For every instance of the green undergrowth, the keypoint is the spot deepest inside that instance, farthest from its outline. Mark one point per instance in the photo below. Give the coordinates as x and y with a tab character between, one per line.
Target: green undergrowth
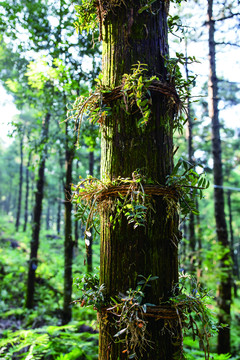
192	352
37	333
52	342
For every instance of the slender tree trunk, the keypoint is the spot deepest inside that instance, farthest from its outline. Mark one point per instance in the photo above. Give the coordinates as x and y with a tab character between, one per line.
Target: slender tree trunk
224	299
33	261
48	216
68	242
199	242
128	38
61	189
20	184
192	235
32	195
8	200
27	193
59	216
234	260
90	238
76	226
184	251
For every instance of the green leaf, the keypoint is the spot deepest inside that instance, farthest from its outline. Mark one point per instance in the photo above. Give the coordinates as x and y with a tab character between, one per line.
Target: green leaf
153	278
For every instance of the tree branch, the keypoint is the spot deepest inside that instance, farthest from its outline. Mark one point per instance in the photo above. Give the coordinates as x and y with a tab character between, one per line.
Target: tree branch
226	43
222	18
227	17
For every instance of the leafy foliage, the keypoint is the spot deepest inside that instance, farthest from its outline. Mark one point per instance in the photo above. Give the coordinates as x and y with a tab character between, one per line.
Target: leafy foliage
89	13
28	334
135	90
190	185
132	204
53	342
87	16
189	301
128	311
131	325
192	303
183	86
92	292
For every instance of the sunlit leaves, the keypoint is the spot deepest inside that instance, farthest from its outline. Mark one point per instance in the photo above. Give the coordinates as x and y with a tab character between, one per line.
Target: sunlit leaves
135	90
183	86
40	72
189	183
87	16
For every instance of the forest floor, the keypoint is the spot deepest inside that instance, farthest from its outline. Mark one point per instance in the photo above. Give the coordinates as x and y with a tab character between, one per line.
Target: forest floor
38	333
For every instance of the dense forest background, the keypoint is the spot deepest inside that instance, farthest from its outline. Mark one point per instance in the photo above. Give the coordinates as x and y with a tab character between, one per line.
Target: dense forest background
45	247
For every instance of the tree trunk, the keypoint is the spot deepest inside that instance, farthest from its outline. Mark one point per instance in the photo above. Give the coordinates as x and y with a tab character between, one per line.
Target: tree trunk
128	38
224	298
234	259
90	238
192	235
20	184
33	262
59	217
8	201
48	216
59	209
32	195
27	193
68	242
76	225
199	242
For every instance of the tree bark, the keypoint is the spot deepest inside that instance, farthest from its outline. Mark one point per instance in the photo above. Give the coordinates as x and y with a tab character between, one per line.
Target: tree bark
234	259
199	242
224	298
191	227
8	201
27	193
76	225
33	261
90	238
128	38
48	216
20	183
68	241
59	210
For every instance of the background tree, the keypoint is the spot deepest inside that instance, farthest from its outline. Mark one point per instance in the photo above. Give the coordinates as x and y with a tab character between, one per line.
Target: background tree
21	136
33	261
225	286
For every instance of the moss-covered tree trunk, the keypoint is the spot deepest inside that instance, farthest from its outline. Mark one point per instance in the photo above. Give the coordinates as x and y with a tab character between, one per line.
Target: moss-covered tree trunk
130	37
224	297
